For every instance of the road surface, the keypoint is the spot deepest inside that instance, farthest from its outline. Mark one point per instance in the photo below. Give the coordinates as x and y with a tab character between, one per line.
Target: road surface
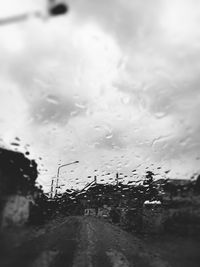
82	242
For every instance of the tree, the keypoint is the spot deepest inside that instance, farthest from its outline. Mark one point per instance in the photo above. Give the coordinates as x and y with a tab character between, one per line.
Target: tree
151	192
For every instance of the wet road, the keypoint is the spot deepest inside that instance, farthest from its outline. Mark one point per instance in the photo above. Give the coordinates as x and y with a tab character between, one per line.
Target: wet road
83	242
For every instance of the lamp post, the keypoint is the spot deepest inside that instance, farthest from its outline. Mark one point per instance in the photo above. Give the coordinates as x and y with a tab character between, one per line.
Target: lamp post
57	8
54	9
58	172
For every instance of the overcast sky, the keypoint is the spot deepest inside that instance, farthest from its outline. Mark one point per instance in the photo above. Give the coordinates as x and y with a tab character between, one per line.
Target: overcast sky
113	84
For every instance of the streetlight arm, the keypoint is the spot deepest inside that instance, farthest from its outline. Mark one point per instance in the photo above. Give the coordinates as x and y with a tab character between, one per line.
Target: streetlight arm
54	9
65	165
58	172
18	18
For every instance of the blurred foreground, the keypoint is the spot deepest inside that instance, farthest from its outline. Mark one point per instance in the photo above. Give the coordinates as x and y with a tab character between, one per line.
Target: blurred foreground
87	241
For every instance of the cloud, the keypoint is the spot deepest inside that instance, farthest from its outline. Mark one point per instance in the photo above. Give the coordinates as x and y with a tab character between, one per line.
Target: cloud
112	78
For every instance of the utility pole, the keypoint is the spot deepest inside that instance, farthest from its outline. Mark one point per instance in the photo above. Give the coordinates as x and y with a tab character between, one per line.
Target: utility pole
52	182
117	178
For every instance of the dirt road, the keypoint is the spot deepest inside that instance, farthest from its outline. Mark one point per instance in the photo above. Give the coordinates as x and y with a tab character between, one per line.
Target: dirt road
82	242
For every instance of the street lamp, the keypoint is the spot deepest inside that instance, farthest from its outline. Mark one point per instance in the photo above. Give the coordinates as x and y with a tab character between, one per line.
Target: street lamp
58	172
54	9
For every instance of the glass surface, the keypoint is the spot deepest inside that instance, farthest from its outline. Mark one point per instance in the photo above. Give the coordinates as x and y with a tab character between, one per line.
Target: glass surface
113	84
102	98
